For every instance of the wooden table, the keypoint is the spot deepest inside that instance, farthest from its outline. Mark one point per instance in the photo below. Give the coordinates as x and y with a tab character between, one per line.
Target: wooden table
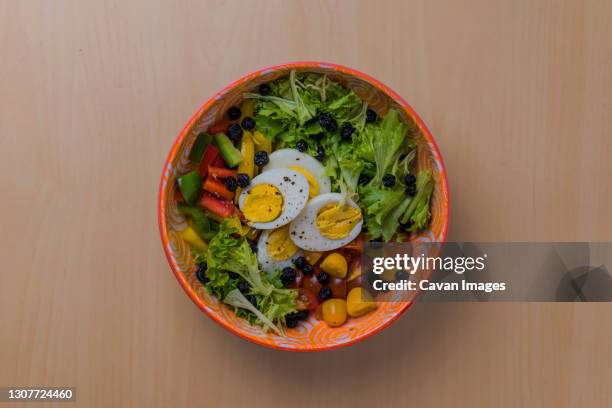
518	95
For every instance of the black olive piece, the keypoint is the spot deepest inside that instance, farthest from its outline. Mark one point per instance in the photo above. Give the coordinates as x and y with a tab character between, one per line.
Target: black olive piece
231	184
201	273
346	132
299	262
302	314
302	145
327	122
248	123
371	116
288	276
410	179
243	180
264	89
291	321
323	278
234	113
234	132
307	269
388	180
244	287
364	179
261	158
320	153
325	293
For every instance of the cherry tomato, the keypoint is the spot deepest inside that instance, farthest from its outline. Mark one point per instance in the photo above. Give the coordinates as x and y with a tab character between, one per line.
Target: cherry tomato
311	283
338	287
306	300
334	312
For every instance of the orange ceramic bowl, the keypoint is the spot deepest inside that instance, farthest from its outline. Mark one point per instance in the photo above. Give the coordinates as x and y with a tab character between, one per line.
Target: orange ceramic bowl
313	335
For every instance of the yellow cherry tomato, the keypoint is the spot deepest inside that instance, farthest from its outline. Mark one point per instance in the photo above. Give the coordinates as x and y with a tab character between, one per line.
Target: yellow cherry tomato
359	302
334	312
335	264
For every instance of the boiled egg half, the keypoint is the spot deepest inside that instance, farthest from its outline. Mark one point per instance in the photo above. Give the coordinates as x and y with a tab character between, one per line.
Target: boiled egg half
326	223
275	250
274	198
304	164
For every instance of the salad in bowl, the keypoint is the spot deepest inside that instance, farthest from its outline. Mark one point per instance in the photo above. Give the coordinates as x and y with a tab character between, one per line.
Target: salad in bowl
274	185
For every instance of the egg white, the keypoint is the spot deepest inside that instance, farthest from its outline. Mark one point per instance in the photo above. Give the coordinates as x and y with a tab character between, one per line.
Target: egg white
292	185
304	232
265	260
291	157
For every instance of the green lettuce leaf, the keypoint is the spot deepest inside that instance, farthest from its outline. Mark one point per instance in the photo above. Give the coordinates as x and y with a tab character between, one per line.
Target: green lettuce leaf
385	142
238	300
418	210
229	253
378	204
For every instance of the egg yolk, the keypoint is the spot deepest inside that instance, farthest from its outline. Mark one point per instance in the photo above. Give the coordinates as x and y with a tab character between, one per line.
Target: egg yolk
263	203
313	184
336	222
280	246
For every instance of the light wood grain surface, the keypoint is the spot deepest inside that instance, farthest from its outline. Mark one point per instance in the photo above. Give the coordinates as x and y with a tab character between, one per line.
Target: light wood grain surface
92	94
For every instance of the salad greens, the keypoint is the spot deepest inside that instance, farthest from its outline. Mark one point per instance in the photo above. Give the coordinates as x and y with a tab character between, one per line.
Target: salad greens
290	113
230	259
418	211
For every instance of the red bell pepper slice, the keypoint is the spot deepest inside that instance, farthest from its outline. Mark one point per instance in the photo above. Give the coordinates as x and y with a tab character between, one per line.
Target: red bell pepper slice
220	207
219	162
219	127
210	155
217	188
221	172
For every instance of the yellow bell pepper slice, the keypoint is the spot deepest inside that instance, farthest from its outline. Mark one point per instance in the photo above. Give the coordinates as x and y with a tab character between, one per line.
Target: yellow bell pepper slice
262	142
235	222
247	165
247	108
194	240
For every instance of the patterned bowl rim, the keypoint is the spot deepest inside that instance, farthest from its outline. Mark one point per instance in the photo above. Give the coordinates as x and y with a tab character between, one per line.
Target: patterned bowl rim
248	77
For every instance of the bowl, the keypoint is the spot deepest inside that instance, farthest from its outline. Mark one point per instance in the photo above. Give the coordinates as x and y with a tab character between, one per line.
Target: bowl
312	335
